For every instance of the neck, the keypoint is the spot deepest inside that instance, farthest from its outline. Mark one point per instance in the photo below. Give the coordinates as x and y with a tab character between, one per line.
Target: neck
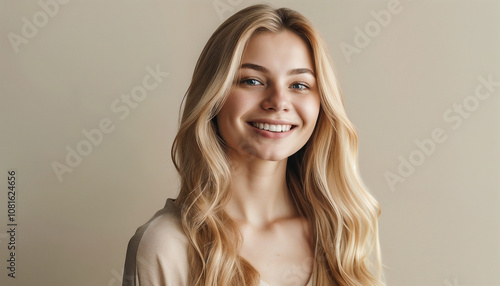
259	192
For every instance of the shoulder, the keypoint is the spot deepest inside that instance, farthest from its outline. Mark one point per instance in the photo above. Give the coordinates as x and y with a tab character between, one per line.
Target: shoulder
162	234
157	253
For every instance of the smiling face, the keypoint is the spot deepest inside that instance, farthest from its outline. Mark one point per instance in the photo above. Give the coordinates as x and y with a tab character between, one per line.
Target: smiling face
274	104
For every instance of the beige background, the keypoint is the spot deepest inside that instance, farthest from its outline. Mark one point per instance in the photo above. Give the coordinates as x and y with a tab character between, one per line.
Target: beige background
440	225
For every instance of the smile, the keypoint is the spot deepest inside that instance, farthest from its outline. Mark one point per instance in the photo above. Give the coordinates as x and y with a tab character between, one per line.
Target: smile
272	127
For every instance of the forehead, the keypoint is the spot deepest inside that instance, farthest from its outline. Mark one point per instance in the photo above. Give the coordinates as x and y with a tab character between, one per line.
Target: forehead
281	50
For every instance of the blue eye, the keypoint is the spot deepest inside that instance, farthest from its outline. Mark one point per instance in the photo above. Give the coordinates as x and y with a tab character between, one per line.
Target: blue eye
251	82
299	86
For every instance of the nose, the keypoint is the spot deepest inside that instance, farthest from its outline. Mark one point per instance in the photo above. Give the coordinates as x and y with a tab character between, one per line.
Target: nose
276	99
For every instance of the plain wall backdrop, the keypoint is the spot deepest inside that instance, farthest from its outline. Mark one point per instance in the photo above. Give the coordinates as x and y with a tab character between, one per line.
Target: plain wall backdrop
90	94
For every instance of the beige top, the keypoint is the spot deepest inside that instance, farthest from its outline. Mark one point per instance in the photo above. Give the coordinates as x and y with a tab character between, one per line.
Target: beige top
157	253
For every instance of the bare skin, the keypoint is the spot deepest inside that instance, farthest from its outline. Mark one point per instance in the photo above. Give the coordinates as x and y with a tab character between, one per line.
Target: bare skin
277	241
277	83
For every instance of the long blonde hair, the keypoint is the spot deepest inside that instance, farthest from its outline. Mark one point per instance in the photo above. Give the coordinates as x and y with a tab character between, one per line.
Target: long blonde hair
322	177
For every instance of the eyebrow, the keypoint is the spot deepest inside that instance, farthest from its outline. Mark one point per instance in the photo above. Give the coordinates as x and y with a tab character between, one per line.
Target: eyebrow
264	70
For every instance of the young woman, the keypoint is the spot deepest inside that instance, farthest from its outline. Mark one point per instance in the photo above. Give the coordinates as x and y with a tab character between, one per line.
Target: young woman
270	192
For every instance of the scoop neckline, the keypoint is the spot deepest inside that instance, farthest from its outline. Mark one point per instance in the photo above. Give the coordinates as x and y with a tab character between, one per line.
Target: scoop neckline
267	284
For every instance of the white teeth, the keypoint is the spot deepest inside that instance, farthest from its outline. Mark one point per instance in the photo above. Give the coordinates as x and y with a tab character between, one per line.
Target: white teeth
272	127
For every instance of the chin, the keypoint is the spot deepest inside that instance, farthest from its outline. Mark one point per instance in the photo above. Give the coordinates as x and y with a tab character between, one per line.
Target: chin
273	156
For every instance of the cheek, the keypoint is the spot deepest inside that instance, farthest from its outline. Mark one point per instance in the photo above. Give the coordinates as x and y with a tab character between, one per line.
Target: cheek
236	105
231	113
309	110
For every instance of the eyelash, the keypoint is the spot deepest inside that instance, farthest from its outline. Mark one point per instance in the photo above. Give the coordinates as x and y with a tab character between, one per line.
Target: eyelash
248	80
305	86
